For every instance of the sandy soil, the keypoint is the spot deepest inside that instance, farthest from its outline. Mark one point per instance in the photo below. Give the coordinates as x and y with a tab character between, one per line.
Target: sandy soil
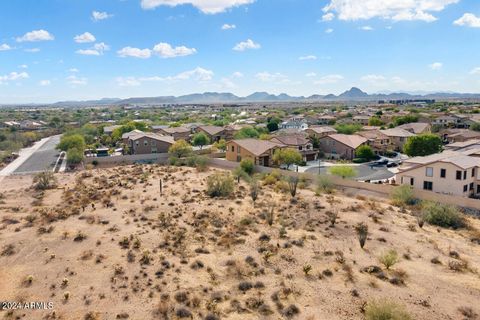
137	254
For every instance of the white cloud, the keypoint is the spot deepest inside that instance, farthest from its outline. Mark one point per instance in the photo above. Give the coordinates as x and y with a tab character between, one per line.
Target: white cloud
36	35
84	38
73	70
329	79
436	66
197	74
97	50
328	17
374	79
128	82
206	6
311	74
397	10
309	57
97	16
32	50
13	76
237	74
165	50
329	30
366	28
23	66
468	20
248	44
227	26
271	77
76	81
44	83
475	71
5	47
227	83
134	52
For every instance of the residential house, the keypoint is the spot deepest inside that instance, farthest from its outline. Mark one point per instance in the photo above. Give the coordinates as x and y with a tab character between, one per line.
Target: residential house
299	124
449	172
459	135
109	129
231	130
148	142
298	142
363	120
320	131
214	133
378	141
178	133
398	137
341	146
463	146
416	127
126	136
325	120
451	121
259	151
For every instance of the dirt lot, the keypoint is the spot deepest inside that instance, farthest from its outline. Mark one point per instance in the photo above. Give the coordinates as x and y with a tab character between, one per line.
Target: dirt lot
105	244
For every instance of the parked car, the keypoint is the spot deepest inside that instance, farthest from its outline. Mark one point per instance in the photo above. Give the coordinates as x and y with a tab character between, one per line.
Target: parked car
392	164
380	163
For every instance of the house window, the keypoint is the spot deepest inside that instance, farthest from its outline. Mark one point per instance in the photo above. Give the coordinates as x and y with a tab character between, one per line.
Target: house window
238	149
300	148
464	175
429	172
412	181
427	185
459	175
470	187
443	173
145	142
473	172
233	148
465	188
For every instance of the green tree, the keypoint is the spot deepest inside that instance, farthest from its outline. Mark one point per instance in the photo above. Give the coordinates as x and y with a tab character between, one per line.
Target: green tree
375	121
365	152
398	121
200	139
71	141
74	156
221	145
475	126
246	132
287	156
343	171
247	165
180	149
422	145
348	128
272	126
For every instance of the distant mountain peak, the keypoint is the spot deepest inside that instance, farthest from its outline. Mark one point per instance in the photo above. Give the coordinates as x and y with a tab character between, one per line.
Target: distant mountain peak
354	92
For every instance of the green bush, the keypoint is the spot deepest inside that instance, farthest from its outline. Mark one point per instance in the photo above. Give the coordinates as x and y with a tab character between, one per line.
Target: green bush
247	165
389	258
324	184
443	215
220	185
385	310
402	196
359	160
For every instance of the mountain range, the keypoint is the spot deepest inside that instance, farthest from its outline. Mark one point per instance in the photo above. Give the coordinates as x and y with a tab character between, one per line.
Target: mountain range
354	94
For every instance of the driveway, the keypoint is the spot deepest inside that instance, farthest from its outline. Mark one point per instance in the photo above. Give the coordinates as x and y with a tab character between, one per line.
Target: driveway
365	172
42	155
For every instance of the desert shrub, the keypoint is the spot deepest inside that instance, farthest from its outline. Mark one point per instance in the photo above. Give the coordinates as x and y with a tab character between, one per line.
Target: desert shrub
220	185
332	217
389	258
292	185
44	180
442	215
362	233
201	163
403	196
272	177
247	166
385	310
324	184
254	189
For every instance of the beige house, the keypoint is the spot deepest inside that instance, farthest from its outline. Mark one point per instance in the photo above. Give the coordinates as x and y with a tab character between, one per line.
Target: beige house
147	143
417	127
214	133
178	133
449	172
341	146
363	120
377	140
259	151
397	137
320	131
298	142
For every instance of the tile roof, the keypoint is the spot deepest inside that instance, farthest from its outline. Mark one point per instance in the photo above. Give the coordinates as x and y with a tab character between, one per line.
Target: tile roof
397	132
352	140
257	147
291	139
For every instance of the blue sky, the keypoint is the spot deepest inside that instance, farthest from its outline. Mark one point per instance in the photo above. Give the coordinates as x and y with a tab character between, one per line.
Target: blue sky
54	50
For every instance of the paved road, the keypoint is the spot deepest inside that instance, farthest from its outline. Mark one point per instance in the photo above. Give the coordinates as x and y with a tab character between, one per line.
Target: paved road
365	172
41	159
